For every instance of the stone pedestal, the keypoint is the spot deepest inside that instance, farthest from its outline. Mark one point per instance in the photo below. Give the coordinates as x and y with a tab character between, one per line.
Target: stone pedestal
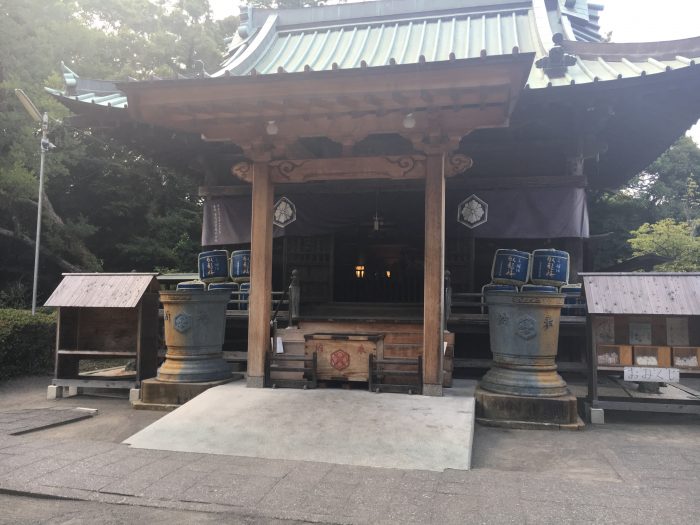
505	410
195	321
159	395
523	388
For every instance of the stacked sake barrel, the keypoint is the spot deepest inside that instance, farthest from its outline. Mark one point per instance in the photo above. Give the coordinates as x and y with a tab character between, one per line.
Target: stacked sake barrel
545	271
524	324
239	271
218	271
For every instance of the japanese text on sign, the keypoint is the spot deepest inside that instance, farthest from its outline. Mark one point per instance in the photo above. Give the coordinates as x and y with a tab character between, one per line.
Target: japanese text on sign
652	375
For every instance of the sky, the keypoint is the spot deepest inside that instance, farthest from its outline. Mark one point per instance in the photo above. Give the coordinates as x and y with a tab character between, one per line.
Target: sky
629	20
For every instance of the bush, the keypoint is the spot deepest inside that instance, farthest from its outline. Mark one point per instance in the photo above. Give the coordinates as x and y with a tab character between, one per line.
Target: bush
26	342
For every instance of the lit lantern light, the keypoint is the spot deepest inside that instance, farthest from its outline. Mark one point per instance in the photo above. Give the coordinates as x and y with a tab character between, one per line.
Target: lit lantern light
388	274
360	271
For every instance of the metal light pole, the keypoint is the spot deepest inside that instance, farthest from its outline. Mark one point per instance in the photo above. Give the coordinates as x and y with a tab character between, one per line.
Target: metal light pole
44	146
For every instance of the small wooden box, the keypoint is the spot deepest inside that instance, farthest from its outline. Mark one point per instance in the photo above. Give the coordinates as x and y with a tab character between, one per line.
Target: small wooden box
686	357
645	355
614	355
344	357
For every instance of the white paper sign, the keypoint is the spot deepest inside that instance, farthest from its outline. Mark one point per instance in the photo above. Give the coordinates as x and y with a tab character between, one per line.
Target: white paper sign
279	346
652	375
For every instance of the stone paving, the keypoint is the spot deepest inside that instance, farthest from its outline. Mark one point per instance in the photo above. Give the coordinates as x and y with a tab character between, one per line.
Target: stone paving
637	468
16	422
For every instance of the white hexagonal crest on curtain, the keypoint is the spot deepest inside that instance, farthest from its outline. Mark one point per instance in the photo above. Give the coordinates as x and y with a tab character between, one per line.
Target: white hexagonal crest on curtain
285	213
472	212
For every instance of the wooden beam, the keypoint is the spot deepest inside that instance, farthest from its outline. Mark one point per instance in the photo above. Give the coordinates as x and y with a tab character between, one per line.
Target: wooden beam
468	183
350	168
400	80
336	127
433	287
259	308
498	183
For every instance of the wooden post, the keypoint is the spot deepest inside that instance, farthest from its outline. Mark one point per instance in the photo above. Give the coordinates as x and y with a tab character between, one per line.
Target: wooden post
259	302
433	285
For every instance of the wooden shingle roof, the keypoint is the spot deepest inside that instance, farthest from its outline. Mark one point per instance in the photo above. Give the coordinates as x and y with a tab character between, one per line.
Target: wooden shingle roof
102	290
652	293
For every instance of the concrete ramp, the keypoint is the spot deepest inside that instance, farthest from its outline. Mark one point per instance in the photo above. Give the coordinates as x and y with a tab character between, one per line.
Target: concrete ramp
351	427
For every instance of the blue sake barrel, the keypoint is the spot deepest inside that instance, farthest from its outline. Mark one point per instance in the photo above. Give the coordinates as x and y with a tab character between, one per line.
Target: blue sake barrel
213	266
244	290
191	285
573	300
510	267
232	288
539	288
495	288
240	265
550	267
491	288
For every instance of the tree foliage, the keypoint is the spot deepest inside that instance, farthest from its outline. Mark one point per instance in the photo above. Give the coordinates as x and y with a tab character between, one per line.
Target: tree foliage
107	206
671	239
657	213
670	184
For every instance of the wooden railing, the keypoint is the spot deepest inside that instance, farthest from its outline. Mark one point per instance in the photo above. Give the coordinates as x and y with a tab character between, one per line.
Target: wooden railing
285	303
473	303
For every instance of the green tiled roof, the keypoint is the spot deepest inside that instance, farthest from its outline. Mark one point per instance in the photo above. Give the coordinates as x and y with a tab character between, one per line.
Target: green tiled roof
384	32
404	40
100	92
598	62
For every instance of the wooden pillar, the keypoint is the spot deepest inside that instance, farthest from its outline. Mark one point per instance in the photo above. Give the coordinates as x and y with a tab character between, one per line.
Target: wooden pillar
433	288
259	300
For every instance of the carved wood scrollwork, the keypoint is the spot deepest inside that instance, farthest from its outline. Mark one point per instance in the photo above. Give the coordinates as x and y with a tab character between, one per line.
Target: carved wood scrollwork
457	163
243	171
283	171
298	171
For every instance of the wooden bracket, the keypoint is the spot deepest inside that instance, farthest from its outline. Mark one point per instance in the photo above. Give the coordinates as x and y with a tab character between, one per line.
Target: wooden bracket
457	163
243	171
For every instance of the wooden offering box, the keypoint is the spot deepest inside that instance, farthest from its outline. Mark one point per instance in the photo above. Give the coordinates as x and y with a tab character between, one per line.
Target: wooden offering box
652	356
344	357
106	316
686	357
614	355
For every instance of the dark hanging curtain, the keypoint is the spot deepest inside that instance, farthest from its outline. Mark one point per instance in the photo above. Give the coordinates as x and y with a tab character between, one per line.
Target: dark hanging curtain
512	213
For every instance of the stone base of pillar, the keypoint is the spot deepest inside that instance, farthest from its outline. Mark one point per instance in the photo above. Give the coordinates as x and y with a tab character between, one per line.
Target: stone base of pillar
432	390
134	395
161	395
503	410
54	392
255	382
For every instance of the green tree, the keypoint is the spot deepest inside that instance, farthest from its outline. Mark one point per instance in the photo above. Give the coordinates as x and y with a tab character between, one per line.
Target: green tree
670	184
671	239
103	199
667	189
612	216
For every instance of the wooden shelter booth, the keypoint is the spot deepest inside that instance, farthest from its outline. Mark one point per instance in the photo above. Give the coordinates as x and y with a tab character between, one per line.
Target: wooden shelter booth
649	320
106	316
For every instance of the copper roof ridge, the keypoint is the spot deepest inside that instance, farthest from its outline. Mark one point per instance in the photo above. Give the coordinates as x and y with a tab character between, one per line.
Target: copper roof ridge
667	49
129	87
404	17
